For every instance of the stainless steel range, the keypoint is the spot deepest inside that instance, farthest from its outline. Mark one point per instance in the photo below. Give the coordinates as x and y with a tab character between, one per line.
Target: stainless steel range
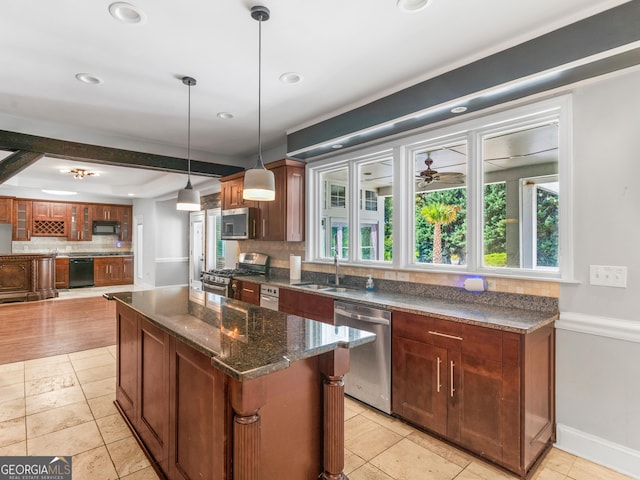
220	281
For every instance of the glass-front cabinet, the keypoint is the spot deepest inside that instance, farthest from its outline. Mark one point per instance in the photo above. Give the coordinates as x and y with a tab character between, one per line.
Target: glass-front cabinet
79	222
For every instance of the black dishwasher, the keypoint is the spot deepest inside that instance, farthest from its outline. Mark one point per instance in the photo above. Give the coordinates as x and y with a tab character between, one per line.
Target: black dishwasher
81	272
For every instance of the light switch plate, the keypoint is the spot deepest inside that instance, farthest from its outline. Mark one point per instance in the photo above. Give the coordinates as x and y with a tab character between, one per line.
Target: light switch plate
608	275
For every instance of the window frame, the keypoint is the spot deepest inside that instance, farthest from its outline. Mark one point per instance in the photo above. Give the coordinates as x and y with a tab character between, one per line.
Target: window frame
401	150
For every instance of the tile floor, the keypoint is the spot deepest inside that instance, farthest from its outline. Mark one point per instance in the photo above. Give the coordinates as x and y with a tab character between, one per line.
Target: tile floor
63	405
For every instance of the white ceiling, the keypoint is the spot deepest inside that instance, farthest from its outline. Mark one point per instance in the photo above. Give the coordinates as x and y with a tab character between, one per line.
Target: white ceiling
349	52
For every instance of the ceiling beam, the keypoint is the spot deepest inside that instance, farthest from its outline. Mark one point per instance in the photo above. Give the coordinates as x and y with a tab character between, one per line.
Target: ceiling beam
16	162
105	155
421	105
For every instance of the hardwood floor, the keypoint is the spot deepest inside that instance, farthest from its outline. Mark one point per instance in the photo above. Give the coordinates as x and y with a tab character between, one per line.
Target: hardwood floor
51	327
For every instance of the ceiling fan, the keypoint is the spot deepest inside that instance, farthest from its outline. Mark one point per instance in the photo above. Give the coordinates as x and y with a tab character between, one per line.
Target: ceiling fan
429	176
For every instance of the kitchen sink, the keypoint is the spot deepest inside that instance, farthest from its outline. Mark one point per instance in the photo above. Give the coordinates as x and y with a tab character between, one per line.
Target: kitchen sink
313	286
336	289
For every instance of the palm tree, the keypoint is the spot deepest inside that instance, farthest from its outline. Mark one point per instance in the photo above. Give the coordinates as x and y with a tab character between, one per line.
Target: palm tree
439	214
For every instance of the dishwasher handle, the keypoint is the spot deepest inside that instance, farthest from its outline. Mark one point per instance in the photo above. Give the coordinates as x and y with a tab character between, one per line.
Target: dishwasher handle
357	316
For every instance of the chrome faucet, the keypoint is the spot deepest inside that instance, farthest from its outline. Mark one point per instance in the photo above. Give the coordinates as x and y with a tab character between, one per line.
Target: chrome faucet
337	264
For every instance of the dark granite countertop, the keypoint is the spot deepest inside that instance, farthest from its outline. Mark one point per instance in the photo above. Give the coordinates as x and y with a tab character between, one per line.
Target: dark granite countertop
244	341
501	318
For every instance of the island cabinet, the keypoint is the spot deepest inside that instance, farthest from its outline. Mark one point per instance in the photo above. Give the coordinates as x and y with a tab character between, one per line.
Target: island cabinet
487	390
308	305
264	401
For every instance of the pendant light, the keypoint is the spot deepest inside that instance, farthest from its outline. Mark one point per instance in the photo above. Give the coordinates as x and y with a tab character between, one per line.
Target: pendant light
259	183
188	198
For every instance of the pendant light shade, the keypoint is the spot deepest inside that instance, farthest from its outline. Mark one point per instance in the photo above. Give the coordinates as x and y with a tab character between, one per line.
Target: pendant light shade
188	198
259	183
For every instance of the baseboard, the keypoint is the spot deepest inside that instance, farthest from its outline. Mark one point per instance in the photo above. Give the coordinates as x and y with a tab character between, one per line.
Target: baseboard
598	450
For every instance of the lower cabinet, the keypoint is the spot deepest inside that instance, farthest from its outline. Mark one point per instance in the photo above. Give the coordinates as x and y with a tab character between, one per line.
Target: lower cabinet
308	305
112	271
62	272
27	277
487	390
173	398
246	291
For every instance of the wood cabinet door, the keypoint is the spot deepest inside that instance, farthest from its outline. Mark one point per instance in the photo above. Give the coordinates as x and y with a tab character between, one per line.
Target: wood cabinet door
197	411
6	210
62	273
420	383
80	218
153	394
127	270
288	301
127	361
273	215
15	276
316	307
101	275
22	220
477	408
250	292
125	215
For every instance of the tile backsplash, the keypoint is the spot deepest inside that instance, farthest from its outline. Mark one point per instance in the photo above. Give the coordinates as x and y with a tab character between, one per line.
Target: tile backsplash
102	243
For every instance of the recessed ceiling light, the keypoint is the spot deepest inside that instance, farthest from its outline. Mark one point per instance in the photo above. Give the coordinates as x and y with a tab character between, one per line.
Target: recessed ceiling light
127	13
225	115
88	79
59	192
131	194
412	5
458	109
291	78
336	145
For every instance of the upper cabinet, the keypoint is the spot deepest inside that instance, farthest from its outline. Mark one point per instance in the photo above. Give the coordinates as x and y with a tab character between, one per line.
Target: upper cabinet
21	219
281	219
6	209
64	219
80	218
105	212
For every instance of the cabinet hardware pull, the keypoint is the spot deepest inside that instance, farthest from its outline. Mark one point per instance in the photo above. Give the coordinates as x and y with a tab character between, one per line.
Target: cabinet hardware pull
455	337
438	375
452	387
247	290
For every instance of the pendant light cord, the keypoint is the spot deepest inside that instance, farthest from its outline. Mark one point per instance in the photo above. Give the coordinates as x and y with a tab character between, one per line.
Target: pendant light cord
260	162
189	136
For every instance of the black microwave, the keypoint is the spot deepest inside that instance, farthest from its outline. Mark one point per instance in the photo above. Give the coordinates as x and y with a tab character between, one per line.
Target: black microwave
238	224
106	227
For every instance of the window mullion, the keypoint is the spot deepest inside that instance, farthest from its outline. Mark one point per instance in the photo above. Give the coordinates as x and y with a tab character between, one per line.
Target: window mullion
475	214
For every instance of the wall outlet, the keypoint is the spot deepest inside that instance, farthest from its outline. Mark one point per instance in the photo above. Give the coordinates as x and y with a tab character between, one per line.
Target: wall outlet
608	276
403	276
389	275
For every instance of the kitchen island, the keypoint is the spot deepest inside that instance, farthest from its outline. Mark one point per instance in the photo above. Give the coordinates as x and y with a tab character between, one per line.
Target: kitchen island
231	390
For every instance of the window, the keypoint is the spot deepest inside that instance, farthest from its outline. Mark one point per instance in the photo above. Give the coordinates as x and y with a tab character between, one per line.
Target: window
521	196
375	182
481	196
440	204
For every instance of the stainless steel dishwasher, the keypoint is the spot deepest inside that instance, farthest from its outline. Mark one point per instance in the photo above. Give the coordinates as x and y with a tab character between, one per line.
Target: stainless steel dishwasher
369	377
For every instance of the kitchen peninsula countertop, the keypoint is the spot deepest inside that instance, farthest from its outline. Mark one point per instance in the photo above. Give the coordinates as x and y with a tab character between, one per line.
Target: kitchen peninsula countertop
515	320
243	340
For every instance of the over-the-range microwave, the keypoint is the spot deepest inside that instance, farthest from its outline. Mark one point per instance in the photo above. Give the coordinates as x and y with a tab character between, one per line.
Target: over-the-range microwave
238	223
